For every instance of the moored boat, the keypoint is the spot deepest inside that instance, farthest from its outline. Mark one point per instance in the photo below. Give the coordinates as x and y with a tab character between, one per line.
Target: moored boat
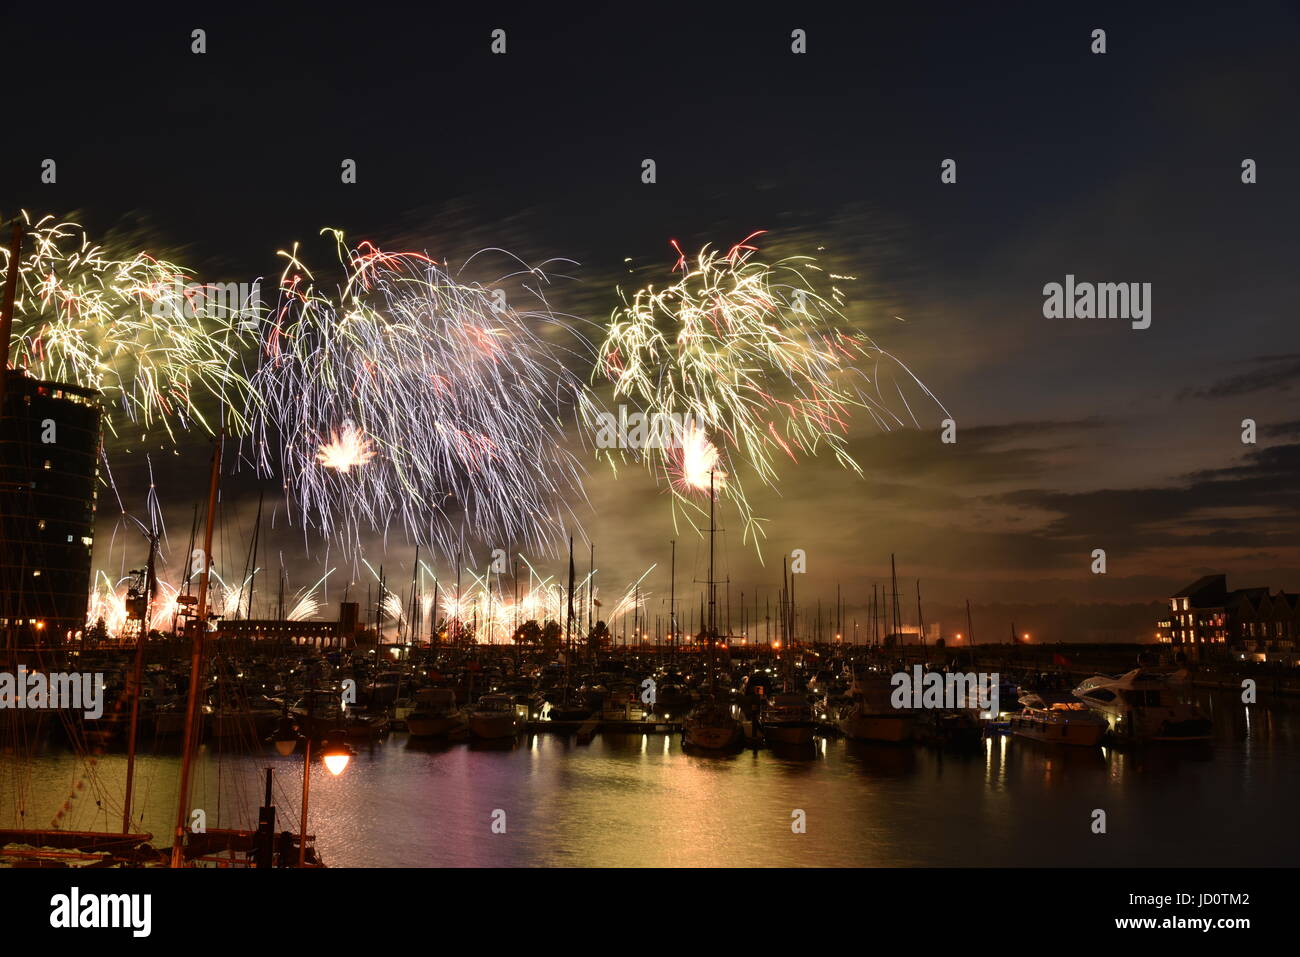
1057	718
1142	705
435	714
712	726
787	719
870	714
494	718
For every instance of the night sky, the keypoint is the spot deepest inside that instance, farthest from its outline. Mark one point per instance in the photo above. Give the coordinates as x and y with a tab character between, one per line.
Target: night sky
1073	434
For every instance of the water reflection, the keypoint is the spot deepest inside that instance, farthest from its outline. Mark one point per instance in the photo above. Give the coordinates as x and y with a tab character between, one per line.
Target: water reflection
638	799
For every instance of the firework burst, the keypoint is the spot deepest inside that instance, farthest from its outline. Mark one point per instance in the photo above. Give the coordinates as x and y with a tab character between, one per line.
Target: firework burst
753	366
130	326
416	398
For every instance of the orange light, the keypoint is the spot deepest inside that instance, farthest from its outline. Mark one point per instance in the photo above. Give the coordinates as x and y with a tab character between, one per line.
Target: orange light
337	763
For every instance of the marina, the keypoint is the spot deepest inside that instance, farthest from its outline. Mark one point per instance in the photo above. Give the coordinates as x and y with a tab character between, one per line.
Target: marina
429	756
574	461
406	802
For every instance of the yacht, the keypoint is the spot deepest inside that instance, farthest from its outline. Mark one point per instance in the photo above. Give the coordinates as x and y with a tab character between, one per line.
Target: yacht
623	703
870	715
787	719
957	728
713	727
1143	705
494	718
434	714
1057	718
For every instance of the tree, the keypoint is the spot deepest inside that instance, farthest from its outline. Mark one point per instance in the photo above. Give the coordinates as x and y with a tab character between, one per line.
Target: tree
528	635
552	635
599	638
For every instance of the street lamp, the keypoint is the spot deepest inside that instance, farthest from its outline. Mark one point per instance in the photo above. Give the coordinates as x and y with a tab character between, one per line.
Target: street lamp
336	754
336	758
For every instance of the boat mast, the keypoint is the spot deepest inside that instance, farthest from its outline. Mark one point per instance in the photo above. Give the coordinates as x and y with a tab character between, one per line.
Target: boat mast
896	622
413	619
433	615
199	626
137	678
672	605
920	621
252	555
713	597
568	619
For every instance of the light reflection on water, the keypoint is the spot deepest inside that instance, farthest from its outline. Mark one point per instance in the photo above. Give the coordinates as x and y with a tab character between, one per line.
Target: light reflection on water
639	800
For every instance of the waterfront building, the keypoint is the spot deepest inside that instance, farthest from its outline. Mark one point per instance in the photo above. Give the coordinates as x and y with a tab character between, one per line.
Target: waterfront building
321	634
49	450
1206	619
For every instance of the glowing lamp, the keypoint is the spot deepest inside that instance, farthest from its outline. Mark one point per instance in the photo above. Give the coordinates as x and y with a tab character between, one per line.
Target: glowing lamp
336	757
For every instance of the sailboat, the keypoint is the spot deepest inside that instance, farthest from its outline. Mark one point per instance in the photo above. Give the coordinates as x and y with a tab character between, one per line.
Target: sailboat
787	718
870	715
712	725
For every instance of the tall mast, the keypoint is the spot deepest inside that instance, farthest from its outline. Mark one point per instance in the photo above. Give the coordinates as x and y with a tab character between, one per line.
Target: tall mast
897	621
459	561
568	618
137	677
790	636
189	566
713	594
970	629
920	621
672	604
433	615
413	619
199	626
252	555
782	597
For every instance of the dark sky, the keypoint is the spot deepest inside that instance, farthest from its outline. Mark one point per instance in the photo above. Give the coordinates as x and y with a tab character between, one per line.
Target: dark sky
1073	434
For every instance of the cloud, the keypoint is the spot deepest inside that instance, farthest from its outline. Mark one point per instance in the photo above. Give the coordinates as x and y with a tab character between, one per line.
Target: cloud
1269	372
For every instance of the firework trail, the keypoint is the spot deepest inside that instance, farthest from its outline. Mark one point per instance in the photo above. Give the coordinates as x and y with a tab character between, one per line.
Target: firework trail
491	606
417	399
741	362
135	328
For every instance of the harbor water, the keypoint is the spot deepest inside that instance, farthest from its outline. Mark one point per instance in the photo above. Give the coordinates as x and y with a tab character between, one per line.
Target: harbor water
640	800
